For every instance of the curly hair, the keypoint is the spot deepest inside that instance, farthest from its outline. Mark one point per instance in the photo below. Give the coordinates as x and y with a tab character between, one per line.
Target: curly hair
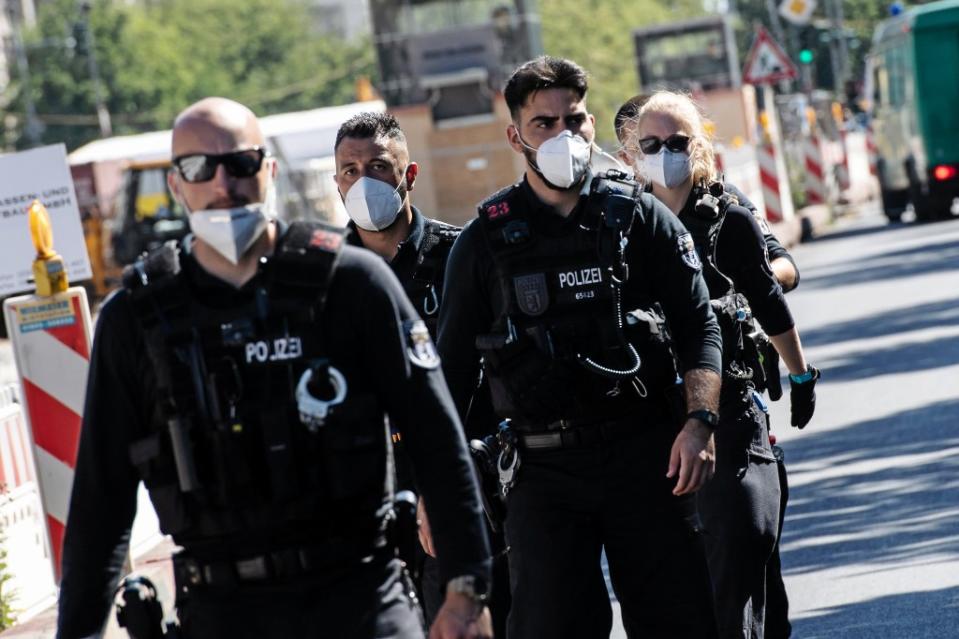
687	114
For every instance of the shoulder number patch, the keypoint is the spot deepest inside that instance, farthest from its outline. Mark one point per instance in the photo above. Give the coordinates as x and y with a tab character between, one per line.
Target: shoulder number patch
419	345
687	251
326	240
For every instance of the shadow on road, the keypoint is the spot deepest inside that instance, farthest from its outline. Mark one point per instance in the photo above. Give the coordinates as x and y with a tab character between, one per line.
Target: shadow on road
908	262
916	615
880	510
894	360
910	318
858	231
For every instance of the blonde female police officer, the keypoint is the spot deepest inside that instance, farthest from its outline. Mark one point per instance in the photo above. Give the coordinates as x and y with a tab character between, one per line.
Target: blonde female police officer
739	508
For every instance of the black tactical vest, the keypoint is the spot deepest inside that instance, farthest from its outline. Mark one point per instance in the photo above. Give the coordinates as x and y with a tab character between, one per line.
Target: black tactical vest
426	286
229	452
559	348
740	332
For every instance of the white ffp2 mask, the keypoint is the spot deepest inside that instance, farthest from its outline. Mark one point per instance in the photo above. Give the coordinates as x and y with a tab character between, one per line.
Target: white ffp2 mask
231	232
562	160
666	168
373	204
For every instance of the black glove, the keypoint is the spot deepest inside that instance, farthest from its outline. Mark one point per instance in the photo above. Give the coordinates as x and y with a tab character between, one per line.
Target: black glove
802	398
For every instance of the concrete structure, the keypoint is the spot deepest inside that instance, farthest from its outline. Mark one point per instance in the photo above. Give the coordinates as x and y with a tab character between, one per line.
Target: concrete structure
461	162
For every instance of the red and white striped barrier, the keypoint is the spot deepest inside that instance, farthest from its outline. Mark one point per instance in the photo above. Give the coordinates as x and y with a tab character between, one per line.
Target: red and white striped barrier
51	344
842	167
815	169
16	458
770	178
28	565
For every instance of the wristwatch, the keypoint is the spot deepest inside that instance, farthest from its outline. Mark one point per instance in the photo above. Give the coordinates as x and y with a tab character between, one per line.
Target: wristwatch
707	417
469	586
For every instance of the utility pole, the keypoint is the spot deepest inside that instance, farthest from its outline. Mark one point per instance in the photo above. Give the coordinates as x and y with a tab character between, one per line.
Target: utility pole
103	115
33	128
838	53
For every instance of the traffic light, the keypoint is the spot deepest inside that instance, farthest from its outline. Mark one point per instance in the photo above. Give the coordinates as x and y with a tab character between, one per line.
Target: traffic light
805	56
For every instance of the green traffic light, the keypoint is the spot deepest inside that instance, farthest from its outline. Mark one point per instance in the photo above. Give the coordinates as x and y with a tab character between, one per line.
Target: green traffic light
805	56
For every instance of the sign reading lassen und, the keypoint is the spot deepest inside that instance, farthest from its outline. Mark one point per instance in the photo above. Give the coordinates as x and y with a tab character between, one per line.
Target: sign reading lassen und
38	174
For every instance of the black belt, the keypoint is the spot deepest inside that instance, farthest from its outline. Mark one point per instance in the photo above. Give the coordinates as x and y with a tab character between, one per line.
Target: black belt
275	565
578	436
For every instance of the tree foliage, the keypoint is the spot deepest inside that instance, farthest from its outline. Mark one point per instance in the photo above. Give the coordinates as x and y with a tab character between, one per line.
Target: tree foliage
598	35
154	58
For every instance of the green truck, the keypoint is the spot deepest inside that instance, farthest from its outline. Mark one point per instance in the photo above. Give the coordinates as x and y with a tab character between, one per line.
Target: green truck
913	81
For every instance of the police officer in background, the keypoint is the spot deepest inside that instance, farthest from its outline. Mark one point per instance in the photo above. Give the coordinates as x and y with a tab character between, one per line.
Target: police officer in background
555	285
786	272
375	177
244	376
740	507
783	265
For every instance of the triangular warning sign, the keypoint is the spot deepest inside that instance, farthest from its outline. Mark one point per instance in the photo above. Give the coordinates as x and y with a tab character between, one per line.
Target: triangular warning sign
766	62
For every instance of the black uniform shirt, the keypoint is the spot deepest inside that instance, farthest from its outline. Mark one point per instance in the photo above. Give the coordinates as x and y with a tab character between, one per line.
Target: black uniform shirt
403	266
403	263
741	256
472	300
774	247
365	310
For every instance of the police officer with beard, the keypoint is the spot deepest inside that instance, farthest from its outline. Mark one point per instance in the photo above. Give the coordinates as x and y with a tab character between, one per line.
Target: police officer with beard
556	285
245	376
375	177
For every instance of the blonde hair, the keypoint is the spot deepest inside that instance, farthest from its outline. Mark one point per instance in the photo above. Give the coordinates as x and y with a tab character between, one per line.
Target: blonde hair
681	108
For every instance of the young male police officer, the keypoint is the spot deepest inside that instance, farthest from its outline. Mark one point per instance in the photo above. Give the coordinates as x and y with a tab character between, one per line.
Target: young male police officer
375	177
245	377
544	279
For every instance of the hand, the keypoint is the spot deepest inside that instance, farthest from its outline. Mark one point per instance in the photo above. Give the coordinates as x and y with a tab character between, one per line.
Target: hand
694	456
423	530
462	618
802	399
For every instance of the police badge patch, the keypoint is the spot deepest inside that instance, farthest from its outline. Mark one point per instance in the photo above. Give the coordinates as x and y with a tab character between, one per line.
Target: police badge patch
687	250
761	221
419	345
532	294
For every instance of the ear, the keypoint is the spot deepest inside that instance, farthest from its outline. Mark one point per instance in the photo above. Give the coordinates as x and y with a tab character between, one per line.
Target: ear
173	183
624	157
411	172
274	168
512	136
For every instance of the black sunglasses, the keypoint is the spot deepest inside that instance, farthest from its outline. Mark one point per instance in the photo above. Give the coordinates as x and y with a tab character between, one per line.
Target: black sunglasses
201	167
676	143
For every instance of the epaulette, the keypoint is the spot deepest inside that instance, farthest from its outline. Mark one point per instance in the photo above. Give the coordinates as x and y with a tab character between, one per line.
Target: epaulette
152	267
305	258
493	206
438	239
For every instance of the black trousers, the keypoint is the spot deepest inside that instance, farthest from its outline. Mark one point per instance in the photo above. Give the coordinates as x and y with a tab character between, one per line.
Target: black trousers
777	602
567	505
368	602
739	510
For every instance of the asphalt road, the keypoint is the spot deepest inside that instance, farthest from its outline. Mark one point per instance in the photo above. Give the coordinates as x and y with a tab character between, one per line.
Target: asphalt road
871	540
